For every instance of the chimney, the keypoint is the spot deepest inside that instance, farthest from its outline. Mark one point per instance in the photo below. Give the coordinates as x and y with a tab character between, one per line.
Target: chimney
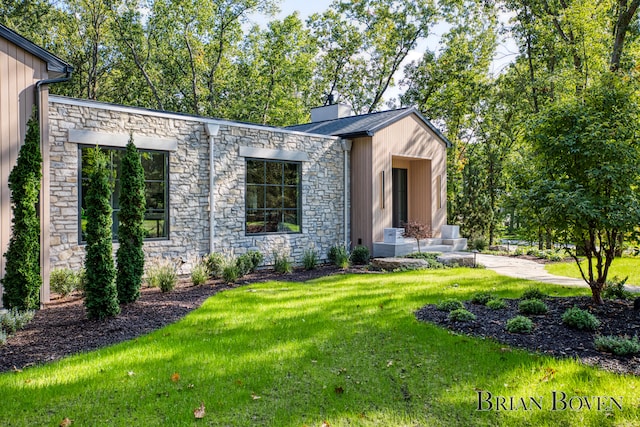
330	112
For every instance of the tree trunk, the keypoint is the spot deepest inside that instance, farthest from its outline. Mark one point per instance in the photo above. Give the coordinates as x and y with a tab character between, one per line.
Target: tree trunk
596	293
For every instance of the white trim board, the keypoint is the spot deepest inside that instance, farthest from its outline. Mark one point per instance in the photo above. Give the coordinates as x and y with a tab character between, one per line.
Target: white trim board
89	137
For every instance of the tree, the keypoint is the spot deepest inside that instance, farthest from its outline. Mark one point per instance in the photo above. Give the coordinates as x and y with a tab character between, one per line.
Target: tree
101	295
588	153
22	279
130	257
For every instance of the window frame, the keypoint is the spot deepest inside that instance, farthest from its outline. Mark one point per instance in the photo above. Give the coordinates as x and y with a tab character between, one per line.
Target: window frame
165	180
282	186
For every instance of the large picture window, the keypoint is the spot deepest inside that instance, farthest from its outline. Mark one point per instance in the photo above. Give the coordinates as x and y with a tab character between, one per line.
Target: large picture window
156	179
273	197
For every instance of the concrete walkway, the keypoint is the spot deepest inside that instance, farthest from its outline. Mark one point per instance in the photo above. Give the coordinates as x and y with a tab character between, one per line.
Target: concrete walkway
530	270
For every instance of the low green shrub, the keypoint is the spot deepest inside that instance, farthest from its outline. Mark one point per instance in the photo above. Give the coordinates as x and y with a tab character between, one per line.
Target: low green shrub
621	346
427	256
230	272
214	262
532	306
481	298
199	274
256	258
449	304
614	289
577	318
496	304
310	259
282	263
64	281
479	243
13	320
461	315
360	255
519	325
162	274
533	293
3	337
244	263
339	255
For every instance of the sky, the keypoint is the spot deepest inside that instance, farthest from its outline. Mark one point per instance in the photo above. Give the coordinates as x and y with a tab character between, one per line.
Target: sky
506	52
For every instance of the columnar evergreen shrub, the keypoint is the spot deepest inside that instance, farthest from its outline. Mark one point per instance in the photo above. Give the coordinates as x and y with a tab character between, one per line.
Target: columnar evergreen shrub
22	279
101	295
130	256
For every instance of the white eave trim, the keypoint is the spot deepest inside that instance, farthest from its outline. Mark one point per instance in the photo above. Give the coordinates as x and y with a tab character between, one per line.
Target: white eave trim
104	139
266	153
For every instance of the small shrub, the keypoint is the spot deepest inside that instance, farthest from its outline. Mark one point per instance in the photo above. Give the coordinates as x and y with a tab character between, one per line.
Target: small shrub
339	255
449	304
360	255
533	293
13	320
310	259
199	274
256	258
496	304
532	306
3	337
481	298
519	325
479	244
214	262
427	256
614	289
620	346
281	263
64	281
162	274
244	263
580	319
461	315
230	272
417	230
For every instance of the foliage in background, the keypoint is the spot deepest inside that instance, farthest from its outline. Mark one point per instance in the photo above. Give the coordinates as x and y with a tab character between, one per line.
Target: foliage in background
101	294
22	281
130	256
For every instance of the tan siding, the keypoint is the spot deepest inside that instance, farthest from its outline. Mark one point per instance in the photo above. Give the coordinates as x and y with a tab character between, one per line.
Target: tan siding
19	71
409	142
361	192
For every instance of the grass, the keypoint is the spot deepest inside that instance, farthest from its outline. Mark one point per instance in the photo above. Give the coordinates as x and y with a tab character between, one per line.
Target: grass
621	267
346	349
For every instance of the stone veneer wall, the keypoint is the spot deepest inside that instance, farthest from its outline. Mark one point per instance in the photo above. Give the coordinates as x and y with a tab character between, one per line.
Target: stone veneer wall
322	184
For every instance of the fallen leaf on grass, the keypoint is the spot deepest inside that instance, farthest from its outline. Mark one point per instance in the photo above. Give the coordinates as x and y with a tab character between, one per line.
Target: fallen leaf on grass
66	422
199	412
131	373
338	390
175	377
389	363
325	423
255	396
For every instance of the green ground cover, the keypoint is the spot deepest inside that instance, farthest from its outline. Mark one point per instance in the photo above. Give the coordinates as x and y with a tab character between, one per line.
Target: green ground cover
621	267
345	349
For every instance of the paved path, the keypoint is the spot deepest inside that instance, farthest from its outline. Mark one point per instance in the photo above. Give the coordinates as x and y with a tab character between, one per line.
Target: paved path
530	270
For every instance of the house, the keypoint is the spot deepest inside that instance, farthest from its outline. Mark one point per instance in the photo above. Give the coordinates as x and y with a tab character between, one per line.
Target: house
218	185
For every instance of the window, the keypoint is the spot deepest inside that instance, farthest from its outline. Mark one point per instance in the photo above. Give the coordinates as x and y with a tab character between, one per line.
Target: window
273	197
156	179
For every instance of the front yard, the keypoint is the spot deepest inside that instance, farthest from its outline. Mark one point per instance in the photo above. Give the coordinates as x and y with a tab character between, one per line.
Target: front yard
339	350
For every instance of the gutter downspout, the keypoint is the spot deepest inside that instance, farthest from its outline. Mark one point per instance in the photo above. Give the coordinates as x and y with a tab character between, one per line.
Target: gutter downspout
346	148
44	186
212	131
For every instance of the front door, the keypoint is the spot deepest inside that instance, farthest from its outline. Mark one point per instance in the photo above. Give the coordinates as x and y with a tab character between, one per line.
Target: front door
400	192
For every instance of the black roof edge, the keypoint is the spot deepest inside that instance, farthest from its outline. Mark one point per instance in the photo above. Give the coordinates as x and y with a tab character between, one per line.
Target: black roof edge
54	64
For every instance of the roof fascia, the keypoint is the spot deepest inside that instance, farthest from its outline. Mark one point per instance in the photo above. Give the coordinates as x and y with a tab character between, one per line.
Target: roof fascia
54	64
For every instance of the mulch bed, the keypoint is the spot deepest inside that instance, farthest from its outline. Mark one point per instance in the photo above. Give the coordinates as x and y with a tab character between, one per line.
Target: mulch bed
550	336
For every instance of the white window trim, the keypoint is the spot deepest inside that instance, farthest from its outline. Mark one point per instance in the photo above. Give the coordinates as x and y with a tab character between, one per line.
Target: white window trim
121	140
269	154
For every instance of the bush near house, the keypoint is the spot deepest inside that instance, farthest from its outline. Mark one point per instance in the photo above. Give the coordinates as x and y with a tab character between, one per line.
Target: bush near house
65	281
22	279
130	257
360	255
101	294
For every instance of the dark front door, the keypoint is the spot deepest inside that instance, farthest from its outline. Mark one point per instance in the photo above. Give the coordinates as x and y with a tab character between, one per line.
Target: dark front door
399	188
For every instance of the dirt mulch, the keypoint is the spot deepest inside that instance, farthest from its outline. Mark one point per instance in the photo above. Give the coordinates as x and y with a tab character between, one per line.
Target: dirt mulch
550	336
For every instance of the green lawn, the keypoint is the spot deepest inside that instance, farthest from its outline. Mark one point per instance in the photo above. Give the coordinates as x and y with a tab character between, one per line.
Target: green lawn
621	267
345	349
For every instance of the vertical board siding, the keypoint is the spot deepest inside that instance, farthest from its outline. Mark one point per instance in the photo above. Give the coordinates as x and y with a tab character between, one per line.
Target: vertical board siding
19	72
361	191
409	142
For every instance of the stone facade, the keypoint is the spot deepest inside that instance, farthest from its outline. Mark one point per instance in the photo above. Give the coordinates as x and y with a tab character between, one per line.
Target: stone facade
323	191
